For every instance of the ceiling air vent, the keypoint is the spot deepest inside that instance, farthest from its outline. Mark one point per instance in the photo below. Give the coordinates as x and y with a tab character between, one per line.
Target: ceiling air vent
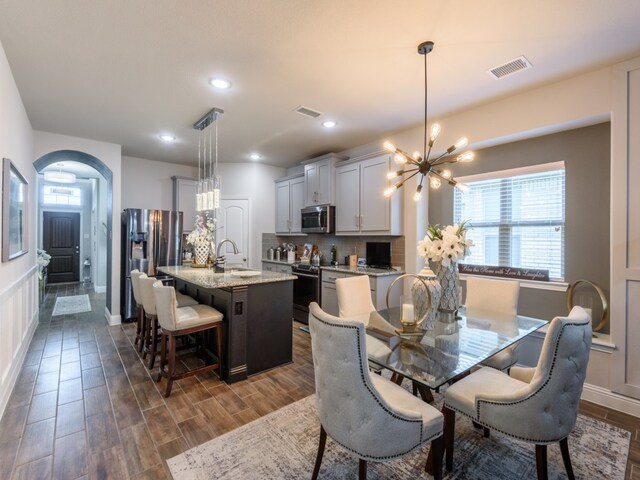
307	112
520	63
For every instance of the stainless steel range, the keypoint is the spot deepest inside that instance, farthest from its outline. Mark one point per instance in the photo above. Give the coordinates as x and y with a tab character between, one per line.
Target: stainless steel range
305	290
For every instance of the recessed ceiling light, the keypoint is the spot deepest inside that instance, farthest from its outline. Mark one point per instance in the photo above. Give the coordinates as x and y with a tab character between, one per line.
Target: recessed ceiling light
255	156
220	83
329	124
167	138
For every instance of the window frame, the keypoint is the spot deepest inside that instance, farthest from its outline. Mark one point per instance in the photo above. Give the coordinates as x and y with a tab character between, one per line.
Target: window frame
505	225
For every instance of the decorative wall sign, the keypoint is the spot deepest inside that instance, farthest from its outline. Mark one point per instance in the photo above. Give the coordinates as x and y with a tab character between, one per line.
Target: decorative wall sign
15	206
506	272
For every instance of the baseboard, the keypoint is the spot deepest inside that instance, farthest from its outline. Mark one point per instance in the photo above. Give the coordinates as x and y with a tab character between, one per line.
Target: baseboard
609	399
112	319
100	288
16	365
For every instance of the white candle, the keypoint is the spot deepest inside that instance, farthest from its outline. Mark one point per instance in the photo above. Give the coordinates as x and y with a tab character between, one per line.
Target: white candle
407	312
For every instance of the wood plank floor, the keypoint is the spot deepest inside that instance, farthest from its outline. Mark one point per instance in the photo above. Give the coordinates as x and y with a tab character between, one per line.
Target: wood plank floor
85	406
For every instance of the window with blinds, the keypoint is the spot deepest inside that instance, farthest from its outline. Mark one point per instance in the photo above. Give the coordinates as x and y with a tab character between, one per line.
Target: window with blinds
516	218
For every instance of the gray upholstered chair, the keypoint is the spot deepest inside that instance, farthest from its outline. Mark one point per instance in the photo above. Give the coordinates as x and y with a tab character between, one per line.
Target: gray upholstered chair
538	405
370	416
495	296
150	332
176	322
137	297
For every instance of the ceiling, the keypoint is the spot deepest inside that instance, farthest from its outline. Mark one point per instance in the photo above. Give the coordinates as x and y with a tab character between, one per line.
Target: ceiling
125	72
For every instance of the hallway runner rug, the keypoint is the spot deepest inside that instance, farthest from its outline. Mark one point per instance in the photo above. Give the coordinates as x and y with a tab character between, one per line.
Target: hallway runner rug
283	445
71	304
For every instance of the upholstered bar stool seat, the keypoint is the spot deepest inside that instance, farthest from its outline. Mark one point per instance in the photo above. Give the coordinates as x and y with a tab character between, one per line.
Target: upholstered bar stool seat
185	300
175	322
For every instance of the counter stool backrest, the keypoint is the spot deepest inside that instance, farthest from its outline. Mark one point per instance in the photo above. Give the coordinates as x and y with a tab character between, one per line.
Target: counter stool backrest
166	306
146	291
135	284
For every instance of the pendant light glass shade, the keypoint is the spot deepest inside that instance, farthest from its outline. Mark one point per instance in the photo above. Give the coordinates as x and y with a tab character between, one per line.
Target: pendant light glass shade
209	182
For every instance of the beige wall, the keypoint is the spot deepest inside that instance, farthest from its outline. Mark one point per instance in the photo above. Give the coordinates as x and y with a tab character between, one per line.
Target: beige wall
18	277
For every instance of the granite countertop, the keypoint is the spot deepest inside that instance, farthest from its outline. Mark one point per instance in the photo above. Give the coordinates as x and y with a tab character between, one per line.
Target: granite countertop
372	272
206	278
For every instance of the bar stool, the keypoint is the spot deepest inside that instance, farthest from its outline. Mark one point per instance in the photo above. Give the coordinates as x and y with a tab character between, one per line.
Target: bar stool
137	297
176	322
145	284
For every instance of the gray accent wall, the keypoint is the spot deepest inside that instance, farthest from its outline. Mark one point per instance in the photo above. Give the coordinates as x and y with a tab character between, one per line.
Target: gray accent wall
586	153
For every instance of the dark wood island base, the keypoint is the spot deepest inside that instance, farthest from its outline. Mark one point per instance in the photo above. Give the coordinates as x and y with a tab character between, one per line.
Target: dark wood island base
258	316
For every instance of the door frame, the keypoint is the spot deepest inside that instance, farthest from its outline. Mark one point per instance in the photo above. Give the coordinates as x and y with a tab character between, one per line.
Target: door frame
249	223
80	238
88	159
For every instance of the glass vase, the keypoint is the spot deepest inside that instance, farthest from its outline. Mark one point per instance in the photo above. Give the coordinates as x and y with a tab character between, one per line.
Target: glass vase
449	281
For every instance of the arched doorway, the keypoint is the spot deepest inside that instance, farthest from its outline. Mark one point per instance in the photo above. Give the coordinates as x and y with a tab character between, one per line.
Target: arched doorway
91	161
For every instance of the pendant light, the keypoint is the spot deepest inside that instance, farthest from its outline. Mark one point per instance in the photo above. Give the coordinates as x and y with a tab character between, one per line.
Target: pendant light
208	187
421	164
59	176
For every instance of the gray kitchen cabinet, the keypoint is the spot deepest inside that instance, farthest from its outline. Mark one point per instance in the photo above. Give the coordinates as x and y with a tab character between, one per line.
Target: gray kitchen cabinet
289	202
361	207
319	175
379	286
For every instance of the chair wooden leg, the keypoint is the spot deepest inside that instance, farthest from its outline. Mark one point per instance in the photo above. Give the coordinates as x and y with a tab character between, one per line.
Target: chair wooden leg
138	325
541	462
449	434
219	352
362	469
487	432
143	331
163	354
154	343
147	336
172	365
437	447
564	448
321	444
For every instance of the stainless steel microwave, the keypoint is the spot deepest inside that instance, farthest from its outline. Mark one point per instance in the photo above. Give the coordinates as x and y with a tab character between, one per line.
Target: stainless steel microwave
318	219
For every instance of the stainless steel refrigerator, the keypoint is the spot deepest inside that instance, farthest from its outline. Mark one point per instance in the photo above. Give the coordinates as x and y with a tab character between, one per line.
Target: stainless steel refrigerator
150	239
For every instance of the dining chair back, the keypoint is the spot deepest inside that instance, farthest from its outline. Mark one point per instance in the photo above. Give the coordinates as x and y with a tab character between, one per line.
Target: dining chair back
354	296
491	295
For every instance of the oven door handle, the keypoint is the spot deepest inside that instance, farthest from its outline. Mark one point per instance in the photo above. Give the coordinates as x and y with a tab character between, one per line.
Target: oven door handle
306	275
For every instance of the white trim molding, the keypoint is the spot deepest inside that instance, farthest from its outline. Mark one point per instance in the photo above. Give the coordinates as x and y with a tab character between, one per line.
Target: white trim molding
609	399
112	319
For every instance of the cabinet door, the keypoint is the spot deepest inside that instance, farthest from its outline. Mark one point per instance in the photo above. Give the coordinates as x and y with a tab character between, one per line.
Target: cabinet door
282	207
324	176
184	200
268	267
347	198
311	184
374	206
329	299
296	193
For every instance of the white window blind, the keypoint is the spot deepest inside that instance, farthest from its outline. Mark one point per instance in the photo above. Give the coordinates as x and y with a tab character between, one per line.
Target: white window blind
516	218
61	196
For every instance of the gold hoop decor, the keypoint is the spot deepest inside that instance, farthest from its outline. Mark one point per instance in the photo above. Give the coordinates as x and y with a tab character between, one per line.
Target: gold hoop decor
411	327
596	327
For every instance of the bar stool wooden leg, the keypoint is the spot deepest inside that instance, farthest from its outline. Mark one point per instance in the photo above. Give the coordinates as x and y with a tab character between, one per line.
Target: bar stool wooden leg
172	364
163	354
138	324
143	331
154	343
218	330
147	335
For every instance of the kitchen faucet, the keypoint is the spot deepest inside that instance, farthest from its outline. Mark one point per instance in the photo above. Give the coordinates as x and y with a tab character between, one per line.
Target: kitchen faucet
220	258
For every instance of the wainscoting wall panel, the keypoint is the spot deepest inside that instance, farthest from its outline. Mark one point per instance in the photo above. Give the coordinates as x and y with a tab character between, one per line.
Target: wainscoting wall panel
18	320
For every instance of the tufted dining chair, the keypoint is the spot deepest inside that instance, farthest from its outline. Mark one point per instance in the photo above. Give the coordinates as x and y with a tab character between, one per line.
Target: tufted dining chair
495	296
537	405
370	416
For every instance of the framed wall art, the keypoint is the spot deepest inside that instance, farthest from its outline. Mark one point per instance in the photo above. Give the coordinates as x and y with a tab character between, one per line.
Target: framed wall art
15	208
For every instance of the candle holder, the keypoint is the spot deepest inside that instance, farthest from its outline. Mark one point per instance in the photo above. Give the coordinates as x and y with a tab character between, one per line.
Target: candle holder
411	317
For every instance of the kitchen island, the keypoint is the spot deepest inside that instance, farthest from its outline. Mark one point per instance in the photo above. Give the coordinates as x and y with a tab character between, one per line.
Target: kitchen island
258	313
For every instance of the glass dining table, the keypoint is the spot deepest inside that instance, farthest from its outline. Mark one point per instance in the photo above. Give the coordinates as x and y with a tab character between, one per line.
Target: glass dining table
448	350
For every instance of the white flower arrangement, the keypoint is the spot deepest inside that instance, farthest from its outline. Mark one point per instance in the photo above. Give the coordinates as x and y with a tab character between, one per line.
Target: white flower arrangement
202	234
445	244
43	258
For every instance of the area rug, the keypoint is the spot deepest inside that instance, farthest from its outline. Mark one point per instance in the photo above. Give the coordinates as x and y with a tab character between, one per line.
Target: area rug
71	304
283	445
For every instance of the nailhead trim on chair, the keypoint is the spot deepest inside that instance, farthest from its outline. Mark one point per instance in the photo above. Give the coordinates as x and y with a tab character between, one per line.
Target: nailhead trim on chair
375	397
478	402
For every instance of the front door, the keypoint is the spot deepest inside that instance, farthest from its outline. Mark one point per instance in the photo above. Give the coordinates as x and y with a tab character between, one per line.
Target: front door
233	221
61	240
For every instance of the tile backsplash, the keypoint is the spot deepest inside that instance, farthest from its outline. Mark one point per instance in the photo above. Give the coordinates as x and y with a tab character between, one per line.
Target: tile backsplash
346	245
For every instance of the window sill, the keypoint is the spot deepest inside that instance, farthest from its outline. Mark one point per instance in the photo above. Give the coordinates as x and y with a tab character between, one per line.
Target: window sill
554	286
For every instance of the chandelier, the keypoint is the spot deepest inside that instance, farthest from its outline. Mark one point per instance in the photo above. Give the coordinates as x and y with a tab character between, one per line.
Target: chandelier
209	182
59	176
422	164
